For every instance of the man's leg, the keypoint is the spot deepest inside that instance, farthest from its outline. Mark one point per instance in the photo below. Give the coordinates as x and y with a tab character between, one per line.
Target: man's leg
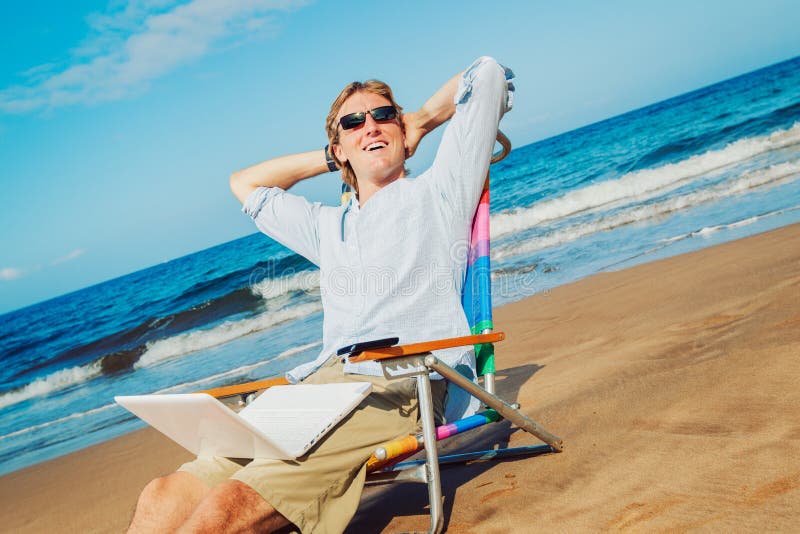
233	506
167	502
180	501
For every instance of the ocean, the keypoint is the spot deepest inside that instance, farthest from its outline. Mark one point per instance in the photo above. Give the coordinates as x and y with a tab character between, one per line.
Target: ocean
702	168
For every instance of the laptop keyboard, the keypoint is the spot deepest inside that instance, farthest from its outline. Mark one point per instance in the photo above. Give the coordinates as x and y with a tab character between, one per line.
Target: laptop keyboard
293	430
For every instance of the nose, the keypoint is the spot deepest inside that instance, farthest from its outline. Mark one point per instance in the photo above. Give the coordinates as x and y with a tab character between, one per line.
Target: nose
371	125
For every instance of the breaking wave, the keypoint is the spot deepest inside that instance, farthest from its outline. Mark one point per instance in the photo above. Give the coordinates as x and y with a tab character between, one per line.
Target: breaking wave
771	176
708	230
57	421
154	352
238	372
640	185
272	288
53	382
183	344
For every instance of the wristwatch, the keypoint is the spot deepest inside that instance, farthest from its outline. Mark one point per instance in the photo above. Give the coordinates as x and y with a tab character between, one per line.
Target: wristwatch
329	160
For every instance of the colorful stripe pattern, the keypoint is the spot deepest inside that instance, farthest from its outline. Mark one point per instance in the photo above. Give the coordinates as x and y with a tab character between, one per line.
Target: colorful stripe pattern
476	298
402	448
468	423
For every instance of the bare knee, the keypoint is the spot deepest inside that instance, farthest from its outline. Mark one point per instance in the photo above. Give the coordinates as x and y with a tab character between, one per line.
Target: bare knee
155	490
172	487
233	506
167	501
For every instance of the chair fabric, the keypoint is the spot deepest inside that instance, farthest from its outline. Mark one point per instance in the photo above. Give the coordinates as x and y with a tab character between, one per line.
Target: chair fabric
476	296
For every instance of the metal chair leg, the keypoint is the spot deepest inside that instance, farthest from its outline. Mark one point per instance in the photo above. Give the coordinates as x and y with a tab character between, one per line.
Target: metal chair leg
506	410
488	382
431	452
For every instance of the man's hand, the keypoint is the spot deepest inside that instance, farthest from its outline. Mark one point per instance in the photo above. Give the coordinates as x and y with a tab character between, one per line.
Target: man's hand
414	132
436	111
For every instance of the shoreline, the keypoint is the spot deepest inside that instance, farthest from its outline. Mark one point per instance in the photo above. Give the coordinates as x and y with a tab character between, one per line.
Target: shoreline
656	377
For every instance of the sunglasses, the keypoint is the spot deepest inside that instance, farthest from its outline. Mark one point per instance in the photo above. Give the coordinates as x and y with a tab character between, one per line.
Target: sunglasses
383	113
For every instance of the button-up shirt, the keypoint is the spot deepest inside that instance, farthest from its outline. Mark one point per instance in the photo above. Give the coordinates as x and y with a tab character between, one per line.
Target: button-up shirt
395	266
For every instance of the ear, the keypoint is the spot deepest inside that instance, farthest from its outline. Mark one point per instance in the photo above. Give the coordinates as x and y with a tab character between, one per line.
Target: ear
339	152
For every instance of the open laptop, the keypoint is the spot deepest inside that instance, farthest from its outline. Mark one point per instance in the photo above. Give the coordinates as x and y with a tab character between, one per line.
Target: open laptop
283	423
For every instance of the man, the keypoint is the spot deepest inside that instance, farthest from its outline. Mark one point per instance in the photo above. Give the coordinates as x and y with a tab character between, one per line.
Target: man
392	263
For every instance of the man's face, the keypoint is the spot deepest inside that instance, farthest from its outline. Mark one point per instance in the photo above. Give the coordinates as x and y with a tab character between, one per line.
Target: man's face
376	150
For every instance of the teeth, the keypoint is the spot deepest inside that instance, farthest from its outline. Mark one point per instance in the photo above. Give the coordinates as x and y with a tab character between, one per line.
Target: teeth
375	146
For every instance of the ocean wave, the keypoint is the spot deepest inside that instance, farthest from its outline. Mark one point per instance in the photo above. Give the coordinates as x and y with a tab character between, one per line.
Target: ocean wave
221	286
709	230
120	349
153	352
56	381
240	371
640	185
56	421
673	150
773	175
790	111
182	344
271	288
127	345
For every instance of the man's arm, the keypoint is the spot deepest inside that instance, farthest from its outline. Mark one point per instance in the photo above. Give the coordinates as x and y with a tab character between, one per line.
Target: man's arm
437	110
483	95
282	172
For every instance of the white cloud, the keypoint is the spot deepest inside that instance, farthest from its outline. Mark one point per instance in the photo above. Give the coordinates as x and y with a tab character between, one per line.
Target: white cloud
69	257
135	44
10	273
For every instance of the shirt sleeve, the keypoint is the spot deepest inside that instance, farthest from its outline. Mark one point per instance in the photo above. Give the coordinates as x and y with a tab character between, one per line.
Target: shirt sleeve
289	219
485	93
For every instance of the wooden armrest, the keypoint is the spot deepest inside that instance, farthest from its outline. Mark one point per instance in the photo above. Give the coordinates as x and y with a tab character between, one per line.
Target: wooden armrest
247	387
375	354
426	346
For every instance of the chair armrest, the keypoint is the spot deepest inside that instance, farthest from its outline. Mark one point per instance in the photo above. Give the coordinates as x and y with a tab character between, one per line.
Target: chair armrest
247	387
426	346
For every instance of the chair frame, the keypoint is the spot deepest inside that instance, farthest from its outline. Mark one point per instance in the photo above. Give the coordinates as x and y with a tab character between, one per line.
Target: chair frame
418	362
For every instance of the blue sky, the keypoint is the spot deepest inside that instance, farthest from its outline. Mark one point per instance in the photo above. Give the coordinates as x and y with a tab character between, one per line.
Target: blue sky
120	122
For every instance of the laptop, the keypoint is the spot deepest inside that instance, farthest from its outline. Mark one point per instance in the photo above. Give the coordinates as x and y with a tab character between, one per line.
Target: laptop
283	423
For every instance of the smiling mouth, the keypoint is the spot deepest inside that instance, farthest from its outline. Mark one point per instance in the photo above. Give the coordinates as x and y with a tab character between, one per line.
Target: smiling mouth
375	146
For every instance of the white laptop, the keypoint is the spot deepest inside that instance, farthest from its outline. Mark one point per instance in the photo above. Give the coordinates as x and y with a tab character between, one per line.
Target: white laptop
284	422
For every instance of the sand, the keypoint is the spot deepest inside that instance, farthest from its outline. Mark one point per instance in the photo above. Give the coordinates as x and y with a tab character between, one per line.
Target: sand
673	385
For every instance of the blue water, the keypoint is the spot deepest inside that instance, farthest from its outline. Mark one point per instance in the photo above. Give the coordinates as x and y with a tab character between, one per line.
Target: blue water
702	168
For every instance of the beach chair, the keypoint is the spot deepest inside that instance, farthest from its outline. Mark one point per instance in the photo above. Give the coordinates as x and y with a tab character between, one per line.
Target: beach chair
417	361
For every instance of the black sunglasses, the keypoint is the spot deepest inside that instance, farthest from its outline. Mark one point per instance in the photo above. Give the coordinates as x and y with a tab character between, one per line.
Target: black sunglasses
383	113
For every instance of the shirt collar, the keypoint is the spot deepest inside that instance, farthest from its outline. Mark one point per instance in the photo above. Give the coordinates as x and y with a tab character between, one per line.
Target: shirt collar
352	205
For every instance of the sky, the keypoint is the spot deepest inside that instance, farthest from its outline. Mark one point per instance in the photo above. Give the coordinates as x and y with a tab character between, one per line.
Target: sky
120	122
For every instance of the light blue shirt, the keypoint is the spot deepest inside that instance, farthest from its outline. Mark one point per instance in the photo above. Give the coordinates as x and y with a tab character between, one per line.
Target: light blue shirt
396	266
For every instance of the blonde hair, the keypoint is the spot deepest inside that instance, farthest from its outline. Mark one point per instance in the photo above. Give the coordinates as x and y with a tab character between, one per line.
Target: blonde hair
376	87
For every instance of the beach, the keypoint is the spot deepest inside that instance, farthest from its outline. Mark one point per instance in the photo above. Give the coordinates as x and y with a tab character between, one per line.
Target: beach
672	384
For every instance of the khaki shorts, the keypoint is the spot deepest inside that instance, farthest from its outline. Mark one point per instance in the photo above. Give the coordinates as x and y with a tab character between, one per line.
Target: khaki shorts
320	491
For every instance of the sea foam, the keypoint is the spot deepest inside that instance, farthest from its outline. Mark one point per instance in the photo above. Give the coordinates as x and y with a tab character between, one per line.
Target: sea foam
709	230
240	371
272	288
770	176
56	381
46	424
182	344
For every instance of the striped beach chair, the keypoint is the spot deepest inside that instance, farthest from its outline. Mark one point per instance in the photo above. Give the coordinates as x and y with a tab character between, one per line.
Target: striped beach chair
390	461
